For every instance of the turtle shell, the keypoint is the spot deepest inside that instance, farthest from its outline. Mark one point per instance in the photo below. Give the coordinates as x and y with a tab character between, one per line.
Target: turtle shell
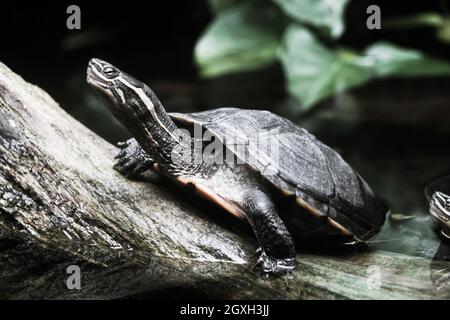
297	164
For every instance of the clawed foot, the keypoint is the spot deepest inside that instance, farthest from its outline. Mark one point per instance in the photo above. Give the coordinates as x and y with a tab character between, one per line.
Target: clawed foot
273	266
132	160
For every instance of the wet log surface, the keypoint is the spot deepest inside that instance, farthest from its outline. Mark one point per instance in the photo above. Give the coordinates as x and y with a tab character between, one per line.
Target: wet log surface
62	204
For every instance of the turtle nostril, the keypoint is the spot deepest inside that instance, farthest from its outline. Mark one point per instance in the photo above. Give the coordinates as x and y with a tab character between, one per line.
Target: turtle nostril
92	62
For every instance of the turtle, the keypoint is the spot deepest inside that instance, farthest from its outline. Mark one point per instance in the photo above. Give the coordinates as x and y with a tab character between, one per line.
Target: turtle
438	195
260	167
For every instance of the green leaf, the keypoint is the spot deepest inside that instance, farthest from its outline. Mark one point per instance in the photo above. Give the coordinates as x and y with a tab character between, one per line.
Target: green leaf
241	38
392	60
425	19
315	72
443	33
326	14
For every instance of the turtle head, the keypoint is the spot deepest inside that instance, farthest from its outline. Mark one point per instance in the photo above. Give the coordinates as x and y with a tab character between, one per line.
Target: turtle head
440	209
135	105
105	78
126	96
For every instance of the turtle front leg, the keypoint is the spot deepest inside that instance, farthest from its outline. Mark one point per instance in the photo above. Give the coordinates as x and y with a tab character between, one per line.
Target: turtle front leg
132	159
277	251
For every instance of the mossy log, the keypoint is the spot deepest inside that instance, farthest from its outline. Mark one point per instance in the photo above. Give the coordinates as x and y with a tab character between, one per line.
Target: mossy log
61	204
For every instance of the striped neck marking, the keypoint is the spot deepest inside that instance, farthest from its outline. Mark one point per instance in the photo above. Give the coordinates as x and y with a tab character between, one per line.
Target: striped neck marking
149	104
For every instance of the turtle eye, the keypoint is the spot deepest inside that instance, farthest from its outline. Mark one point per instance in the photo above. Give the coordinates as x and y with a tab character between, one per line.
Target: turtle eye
110	72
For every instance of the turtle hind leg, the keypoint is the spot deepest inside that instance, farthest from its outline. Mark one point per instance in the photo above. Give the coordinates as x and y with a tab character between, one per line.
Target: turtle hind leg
132	159
277	251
